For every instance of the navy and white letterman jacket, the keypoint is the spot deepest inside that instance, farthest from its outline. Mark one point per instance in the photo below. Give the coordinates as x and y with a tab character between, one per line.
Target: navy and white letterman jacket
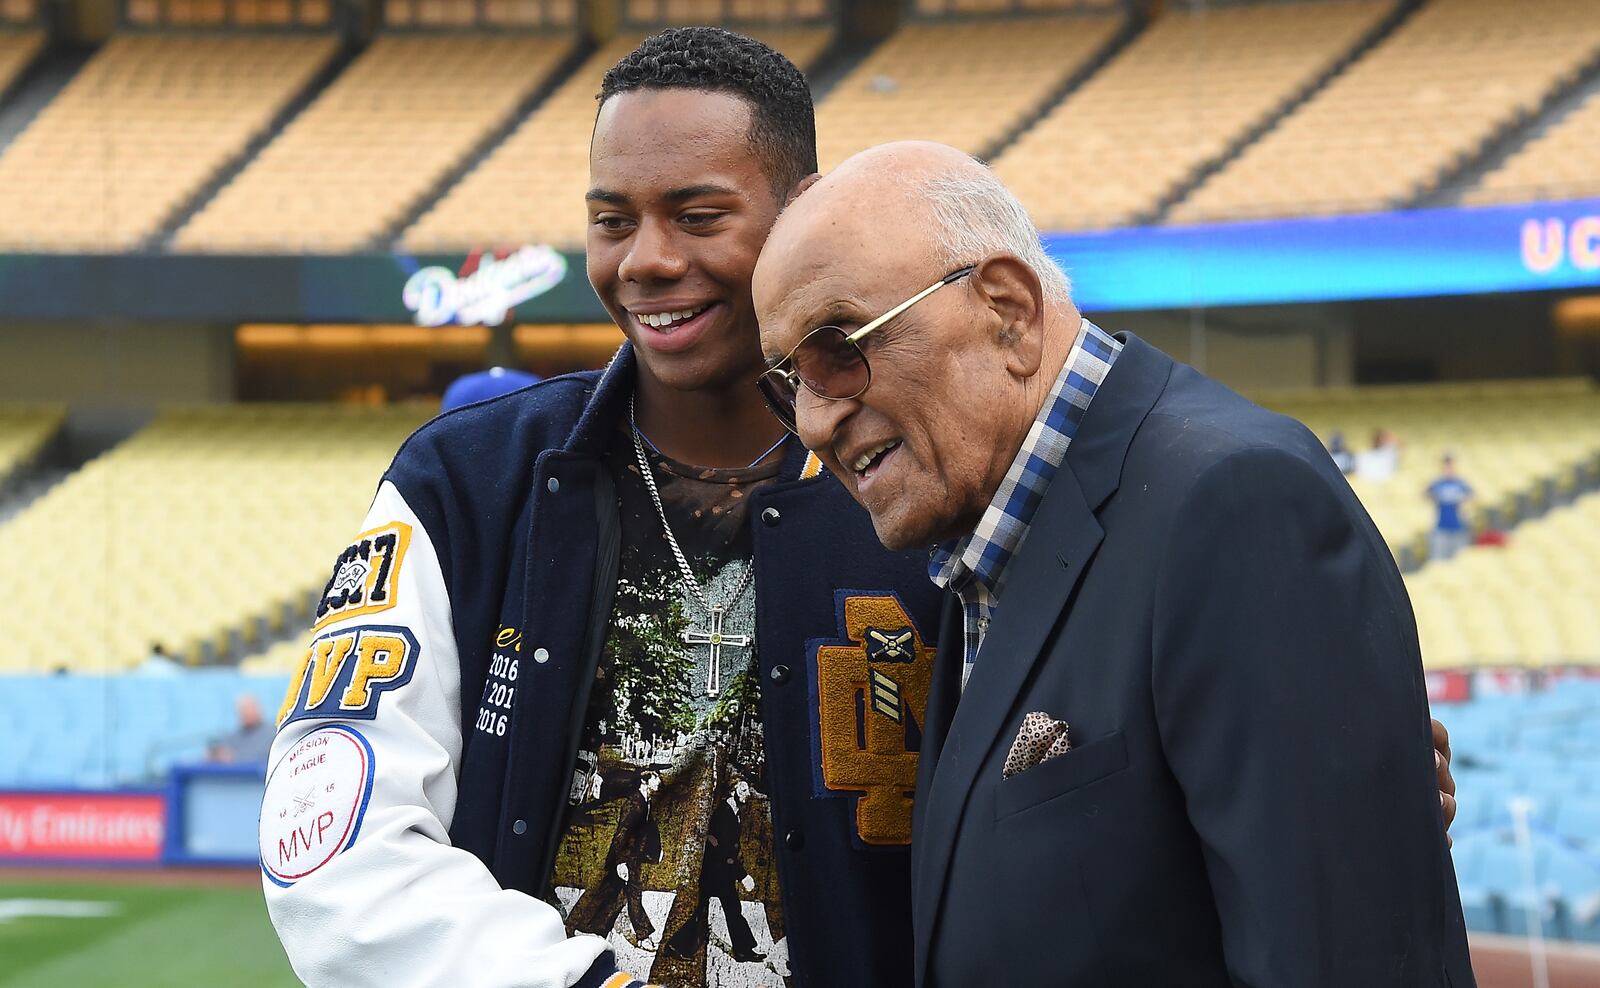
427	743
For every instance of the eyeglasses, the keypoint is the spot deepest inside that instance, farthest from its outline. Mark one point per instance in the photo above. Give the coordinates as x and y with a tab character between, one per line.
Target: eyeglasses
829	362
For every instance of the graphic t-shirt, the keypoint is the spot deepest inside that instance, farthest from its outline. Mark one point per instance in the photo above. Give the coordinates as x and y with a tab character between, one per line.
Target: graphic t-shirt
668	846
1447	494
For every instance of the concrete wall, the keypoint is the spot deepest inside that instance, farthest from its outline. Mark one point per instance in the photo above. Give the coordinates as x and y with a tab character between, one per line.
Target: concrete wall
1251	349
133	365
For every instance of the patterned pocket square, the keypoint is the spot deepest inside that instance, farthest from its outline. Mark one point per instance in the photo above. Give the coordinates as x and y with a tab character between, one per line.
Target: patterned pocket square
1040	739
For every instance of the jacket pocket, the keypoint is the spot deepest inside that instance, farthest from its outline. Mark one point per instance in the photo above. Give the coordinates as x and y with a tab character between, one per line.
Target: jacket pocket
1075	769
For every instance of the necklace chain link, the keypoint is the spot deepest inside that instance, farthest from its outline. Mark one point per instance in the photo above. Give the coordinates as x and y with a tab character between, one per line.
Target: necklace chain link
684	568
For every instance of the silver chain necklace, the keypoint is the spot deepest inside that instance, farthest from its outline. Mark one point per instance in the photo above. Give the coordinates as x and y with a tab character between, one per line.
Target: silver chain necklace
712	635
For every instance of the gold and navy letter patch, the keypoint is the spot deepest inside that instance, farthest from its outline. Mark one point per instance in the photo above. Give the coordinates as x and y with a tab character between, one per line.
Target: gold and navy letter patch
871	690
366	575
343	673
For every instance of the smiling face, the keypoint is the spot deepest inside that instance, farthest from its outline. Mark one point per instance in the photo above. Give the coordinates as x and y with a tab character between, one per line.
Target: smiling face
679	206
926	446
956	379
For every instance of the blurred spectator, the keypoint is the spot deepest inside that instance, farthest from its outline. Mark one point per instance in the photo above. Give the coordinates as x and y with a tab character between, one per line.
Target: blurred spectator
1450	494
484	384
251	743
1342	457
159	663
1381	461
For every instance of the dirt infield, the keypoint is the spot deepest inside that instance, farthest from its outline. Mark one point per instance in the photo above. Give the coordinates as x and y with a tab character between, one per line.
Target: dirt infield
159	877
1504	962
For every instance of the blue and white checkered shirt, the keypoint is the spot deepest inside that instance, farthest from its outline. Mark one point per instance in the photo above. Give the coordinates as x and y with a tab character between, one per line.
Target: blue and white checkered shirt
974	566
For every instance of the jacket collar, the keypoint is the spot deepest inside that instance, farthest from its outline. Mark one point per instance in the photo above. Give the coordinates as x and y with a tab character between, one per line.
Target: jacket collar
607	407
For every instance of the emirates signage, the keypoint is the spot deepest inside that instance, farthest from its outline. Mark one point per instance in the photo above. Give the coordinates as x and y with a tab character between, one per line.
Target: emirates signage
488	287
81	826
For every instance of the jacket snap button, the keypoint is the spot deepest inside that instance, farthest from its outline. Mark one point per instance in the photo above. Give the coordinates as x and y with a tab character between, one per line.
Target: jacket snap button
541	655
780	674
552	485
793	840
520	827
771	516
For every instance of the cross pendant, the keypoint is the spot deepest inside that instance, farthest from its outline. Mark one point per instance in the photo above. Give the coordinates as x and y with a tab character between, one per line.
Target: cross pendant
715	638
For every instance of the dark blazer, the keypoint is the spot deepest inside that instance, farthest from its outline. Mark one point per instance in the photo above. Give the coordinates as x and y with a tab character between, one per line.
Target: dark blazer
637	840
1250	795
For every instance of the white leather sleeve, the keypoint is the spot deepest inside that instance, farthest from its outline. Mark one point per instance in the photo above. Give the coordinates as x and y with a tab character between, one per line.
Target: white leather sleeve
361	881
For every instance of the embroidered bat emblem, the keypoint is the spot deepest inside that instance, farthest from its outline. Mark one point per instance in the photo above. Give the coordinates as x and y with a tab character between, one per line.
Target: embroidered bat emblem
890	646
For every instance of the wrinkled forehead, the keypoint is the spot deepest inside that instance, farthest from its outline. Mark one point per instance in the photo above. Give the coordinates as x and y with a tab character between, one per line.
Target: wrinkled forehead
835	261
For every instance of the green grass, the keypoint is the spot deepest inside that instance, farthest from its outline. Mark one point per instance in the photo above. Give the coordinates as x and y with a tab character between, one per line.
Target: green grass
158	937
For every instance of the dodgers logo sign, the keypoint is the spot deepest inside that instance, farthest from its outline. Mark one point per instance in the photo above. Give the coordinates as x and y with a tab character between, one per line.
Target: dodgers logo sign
871	691
486	289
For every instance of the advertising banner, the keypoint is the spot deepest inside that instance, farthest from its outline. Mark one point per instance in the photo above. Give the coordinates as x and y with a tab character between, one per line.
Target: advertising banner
1456	251
1522	248
81	827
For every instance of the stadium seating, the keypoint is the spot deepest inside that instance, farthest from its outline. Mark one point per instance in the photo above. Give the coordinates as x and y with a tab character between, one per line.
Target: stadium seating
562	14
530	188
1510	439
24	13
714	11
966	83
351	167
17	49
1533	603
1177	98
1433	94
209	528
99	731
1558	164
231	13
1542	747
140	129
24	430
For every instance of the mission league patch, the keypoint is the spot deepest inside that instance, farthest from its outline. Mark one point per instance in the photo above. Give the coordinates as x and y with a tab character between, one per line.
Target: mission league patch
315	800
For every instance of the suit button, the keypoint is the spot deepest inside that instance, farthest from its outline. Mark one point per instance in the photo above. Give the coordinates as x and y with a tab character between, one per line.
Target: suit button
541	655
794	840
771	516
552	485
520	827
780	674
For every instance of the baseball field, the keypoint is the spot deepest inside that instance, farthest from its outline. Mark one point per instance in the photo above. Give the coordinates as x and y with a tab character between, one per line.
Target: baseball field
168	929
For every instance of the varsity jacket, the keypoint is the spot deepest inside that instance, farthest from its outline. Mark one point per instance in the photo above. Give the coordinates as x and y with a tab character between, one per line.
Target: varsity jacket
427	743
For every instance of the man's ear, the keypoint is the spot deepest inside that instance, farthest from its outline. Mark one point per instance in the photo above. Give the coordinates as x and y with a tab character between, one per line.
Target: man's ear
801	186
1013	292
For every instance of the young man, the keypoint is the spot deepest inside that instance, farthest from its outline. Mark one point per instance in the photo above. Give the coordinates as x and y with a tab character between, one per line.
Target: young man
548	605
519	640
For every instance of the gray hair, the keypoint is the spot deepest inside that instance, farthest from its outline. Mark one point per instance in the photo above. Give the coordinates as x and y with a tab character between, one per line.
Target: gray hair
976	215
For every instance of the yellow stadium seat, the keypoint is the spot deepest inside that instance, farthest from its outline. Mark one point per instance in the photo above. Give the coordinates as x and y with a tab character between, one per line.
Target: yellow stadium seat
1452	77
194	533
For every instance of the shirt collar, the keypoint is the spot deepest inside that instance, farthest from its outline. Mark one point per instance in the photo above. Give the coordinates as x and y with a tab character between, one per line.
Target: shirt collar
982	556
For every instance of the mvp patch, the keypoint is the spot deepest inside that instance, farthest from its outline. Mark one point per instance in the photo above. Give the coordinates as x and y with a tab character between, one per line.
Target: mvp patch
365	575
870	687
315	799
343	673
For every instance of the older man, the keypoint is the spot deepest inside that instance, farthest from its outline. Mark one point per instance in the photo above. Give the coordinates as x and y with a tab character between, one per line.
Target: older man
1178	732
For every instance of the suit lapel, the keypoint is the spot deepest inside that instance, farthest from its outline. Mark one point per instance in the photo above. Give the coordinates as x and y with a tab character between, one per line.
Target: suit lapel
1061	542
1043	575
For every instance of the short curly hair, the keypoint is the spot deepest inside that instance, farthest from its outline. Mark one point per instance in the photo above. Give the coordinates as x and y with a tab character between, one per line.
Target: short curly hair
783	127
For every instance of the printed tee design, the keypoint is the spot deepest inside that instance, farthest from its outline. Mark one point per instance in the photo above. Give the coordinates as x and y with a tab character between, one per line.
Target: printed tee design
667	850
